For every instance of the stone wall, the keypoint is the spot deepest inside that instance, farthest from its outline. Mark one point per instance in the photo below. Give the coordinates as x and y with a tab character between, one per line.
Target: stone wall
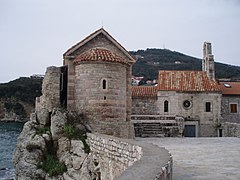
114	155
130	160
144	106
231	129
225	109
104	108
50	90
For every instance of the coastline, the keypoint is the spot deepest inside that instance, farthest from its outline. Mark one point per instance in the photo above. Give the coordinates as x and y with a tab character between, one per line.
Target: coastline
14	120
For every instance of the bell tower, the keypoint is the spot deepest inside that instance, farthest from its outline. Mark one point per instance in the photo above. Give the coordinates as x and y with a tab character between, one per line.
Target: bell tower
208	61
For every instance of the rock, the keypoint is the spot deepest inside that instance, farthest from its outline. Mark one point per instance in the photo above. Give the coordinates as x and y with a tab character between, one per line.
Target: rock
26	161
43	116
58	121
33	118
27	171
74	174
54	178
63	151
47	137
37	141
78	154
67	177
77	148
63	145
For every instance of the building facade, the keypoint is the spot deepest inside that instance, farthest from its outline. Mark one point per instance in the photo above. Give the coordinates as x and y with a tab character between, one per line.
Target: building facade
190	98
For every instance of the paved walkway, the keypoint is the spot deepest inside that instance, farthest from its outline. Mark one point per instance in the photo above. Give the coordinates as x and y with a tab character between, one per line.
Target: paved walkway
202	158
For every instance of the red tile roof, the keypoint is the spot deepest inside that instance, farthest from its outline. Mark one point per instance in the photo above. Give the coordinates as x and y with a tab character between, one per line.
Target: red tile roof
144	91
186	81
99	54
230	88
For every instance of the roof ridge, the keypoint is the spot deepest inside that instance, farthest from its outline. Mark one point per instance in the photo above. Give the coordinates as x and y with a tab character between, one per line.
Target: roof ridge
94	34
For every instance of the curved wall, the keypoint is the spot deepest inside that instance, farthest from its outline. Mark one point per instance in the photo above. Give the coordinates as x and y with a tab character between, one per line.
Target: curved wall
101	95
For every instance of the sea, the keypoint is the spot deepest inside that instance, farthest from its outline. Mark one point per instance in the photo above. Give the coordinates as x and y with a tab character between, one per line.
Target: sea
9	132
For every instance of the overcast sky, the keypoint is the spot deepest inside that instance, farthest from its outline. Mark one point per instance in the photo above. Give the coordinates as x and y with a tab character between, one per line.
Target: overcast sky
35	33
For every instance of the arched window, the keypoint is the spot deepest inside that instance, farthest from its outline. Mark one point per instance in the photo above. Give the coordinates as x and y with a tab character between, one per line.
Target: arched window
104	84
166	106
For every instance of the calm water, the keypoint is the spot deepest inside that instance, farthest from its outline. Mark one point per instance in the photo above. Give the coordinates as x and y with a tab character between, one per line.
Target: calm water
8	138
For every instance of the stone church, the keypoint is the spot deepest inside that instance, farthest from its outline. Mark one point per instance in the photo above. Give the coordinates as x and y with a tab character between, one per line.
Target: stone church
95	81
98	85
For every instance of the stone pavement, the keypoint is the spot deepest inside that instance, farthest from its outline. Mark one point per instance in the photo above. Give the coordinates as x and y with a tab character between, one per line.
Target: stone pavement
202	158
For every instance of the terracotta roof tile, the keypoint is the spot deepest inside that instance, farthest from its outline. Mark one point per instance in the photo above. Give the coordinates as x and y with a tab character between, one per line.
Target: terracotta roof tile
144	91
99	54
186	81
230	88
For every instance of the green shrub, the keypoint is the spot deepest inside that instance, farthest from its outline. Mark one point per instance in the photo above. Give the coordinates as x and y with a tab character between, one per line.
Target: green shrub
52	166
32	147
43	130
73	133
85	144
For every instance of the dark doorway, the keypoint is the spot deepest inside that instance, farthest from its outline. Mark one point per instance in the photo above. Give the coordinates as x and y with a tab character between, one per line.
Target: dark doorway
220	133
190	131
63	86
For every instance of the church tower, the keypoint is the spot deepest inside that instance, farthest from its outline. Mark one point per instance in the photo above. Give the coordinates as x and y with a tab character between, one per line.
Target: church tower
208	61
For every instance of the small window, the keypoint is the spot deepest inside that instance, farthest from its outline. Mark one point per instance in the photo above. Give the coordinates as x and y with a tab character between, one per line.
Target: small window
104	84
165	106
233	108
187	104
208	107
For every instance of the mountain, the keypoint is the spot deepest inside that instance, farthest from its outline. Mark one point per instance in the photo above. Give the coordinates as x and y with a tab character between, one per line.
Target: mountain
150	61
17	98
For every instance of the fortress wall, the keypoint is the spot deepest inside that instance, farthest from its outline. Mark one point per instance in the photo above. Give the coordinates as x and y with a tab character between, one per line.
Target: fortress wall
50	90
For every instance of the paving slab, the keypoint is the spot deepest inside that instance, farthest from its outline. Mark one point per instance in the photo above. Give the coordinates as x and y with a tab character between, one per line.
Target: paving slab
202	158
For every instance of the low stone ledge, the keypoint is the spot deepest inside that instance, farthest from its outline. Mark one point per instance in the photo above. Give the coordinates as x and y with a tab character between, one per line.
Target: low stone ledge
155	164
136	160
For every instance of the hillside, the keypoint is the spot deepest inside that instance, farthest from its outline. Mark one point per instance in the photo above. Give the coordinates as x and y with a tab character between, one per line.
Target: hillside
150	61
17	98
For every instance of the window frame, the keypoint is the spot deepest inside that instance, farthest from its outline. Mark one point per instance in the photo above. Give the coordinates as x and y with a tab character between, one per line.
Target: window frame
210	106
166	106
104	84
235	108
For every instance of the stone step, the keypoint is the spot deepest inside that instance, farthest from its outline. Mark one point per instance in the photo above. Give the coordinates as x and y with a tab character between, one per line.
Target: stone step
153	129
152	135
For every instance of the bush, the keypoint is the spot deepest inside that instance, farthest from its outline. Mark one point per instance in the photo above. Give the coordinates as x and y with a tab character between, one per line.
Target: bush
32	147
52	166
73	133
43	130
